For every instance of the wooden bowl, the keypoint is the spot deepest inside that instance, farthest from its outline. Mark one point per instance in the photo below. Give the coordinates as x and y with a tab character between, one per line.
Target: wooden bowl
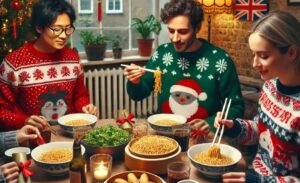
123	175
153	165
158	155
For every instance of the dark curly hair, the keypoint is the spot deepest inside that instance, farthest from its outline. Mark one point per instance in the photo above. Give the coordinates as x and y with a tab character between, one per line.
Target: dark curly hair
190	8
45	12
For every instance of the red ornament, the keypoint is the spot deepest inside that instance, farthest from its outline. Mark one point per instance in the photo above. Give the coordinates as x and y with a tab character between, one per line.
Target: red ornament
16	5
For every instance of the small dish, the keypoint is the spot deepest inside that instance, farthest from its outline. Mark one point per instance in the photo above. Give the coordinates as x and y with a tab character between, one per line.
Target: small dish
9	152
188	181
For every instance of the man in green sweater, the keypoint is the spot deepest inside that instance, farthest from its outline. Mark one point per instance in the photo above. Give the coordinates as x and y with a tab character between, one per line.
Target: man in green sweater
196	75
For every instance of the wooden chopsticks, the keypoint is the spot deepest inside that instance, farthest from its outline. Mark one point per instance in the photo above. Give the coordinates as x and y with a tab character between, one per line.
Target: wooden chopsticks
149	70
225	109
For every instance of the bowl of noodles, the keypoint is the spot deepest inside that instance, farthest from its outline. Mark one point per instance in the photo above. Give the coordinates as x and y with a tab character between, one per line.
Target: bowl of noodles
163	123
214	161
54	157
70	121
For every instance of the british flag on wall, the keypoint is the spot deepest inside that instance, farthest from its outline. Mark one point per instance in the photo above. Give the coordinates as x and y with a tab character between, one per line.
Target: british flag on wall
250	10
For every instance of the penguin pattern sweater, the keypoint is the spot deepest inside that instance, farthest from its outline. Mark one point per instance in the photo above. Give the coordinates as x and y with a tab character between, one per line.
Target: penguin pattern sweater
35	83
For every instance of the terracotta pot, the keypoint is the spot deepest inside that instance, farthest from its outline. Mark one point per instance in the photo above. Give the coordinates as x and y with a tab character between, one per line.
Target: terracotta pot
95	52
117	53
145	47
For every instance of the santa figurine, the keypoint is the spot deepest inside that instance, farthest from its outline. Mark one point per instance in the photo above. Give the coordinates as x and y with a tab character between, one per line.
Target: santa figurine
183	100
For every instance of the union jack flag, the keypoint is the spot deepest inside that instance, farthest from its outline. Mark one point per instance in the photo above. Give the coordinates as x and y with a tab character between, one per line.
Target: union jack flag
250	10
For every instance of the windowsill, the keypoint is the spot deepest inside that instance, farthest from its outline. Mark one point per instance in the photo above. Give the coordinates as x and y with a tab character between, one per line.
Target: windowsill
125	59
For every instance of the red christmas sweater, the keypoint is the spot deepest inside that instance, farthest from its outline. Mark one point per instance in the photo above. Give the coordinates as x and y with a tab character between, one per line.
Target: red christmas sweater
35	83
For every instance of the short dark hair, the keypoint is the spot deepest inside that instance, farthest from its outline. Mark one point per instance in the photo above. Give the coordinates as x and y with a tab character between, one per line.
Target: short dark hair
190	8
44	12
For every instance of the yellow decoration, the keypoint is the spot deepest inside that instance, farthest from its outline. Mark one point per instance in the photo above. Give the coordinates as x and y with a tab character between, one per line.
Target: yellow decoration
4	27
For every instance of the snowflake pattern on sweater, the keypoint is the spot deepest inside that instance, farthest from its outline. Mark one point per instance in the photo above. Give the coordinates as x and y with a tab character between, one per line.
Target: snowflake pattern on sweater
209	70
277	132
35	83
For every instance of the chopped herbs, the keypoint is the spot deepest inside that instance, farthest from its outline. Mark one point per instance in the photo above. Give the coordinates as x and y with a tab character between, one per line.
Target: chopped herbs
107	136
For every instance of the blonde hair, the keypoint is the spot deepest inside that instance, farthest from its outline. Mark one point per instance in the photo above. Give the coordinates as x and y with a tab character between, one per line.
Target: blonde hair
282	29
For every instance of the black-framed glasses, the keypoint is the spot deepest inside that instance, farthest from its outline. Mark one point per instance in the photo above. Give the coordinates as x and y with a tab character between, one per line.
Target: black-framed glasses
59	30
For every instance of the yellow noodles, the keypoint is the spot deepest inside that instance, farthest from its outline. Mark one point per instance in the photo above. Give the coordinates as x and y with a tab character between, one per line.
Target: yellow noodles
153	144
77	122
157	82
166	122
213	156
57	155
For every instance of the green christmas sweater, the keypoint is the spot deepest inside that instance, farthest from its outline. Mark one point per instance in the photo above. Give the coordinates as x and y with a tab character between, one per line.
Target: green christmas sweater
194	84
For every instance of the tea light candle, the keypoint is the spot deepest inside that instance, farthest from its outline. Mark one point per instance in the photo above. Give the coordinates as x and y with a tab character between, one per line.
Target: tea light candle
101	172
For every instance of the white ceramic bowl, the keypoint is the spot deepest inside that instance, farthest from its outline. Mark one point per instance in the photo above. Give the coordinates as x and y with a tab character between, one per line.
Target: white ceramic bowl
54	169
165	129
188	181
66	118
217	170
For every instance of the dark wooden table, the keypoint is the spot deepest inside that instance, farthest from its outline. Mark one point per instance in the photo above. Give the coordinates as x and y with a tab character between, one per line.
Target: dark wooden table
118	166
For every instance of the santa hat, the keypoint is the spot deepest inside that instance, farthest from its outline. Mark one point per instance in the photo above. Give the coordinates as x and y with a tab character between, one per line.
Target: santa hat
189	86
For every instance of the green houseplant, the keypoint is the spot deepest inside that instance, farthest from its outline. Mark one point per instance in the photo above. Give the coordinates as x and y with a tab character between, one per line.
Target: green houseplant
116	47
94	45
145	28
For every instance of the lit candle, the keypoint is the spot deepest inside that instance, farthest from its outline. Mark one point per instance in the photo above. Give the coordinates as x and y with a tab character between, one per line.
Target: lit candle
101	172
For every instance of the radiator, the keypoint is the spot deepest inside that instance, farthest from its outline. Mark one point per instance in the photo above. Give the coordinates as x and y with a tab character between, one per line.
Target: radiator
107	89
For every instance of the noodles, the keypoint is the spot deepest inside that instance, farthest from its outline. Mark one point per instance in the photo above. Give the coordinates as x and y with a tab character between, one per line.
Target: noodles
157	82
166	122
153	144
213	156
56	155
77	122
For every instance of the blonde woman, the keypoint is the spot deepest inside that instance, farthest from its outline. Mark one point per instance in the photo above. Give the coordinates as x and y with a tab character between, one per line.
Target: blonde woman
275	44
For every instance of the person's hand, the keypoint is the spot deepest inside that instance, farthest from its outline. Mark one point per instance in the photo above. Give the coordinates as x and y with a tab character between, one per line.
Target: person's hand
133	73
234	177
38	121
90	109
10	172
27	133
200	124
218	121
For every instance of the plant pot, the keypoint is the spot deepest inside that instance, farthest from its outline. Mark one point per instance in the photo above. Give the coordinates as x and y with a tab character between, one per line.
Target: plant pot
145	47
117	53
95	52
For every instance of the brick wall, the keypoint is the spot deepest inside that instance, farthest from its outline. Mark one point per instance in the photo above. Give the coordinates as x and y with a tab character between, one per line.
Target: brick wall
231	35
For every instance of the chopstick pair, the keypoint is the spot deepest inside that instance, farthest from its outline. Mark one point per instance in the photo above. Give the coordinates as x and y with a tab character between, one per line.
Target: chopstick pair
225	110
53	131
149	70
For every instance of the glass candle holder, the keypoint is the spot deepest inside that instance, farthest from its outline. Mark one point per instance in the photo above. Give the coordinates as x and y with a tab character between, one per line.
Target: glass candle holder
100	167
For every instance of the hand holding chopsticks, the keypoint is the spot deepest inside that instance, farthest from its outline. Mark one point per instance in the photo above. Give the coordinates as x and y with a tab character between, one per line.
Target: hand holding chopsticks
224	113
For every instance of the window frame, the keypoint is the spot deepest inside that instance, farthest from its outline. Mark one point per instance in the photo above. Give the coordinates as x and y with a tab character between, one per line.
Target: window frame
89	11
114	11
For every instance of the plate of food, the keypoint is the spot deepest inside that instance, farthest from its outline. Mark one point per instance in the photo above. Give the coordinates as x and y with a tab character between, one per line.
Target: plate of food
153	146
135	176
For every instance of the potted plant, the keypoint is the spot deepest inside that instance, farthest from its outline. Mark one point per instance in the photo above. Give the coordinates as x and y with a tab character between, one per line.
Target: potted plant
116	49
145	27
94	45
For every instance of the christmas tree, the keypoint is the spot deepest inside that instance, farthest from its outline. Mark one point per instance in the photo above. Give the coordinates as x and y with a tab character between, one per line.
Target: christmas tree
15	30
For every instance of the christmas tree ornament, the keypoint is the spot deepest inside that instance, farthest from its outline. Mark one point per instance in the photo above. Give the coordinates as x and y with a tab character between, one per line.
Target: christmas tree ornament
4	27
3	11
16	5
15	28
125	120
20	18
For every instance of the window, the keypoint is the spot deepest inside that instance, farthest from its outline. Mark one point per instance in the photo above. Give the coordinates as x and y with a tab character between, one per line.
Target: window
112	24
85	6
114	6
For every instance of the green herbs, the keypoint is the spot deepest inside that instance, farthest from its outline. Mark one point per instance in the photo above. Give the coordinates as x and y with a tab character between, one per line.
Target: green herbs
107	136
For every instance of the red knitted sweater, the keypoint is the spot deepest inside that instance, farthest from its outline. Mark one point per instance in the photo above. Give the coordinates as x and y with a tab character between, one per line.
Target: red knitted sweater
35	83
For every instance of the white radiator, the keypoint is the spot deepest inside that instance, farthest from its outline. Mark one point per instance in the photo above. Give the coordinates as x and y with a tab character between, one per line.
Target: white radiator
107	88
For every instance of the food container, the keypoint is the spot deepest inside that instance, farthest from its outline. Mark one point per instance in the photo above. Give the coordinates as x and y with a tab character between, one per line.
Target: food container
123	175
153	165
165	129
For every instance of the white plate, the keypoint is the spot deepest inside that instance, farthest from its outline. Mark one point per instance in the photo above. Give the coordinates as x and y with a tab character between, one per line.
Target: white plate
9	152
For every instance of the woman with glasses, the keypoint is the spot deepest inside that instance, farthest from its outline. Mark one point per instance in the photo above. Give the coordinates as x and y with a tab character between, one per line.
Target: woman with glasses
43	80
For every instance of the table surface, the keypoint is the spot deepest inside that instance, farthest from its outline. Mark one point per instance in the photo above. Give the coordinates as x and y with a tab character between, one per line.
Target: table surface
118	166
